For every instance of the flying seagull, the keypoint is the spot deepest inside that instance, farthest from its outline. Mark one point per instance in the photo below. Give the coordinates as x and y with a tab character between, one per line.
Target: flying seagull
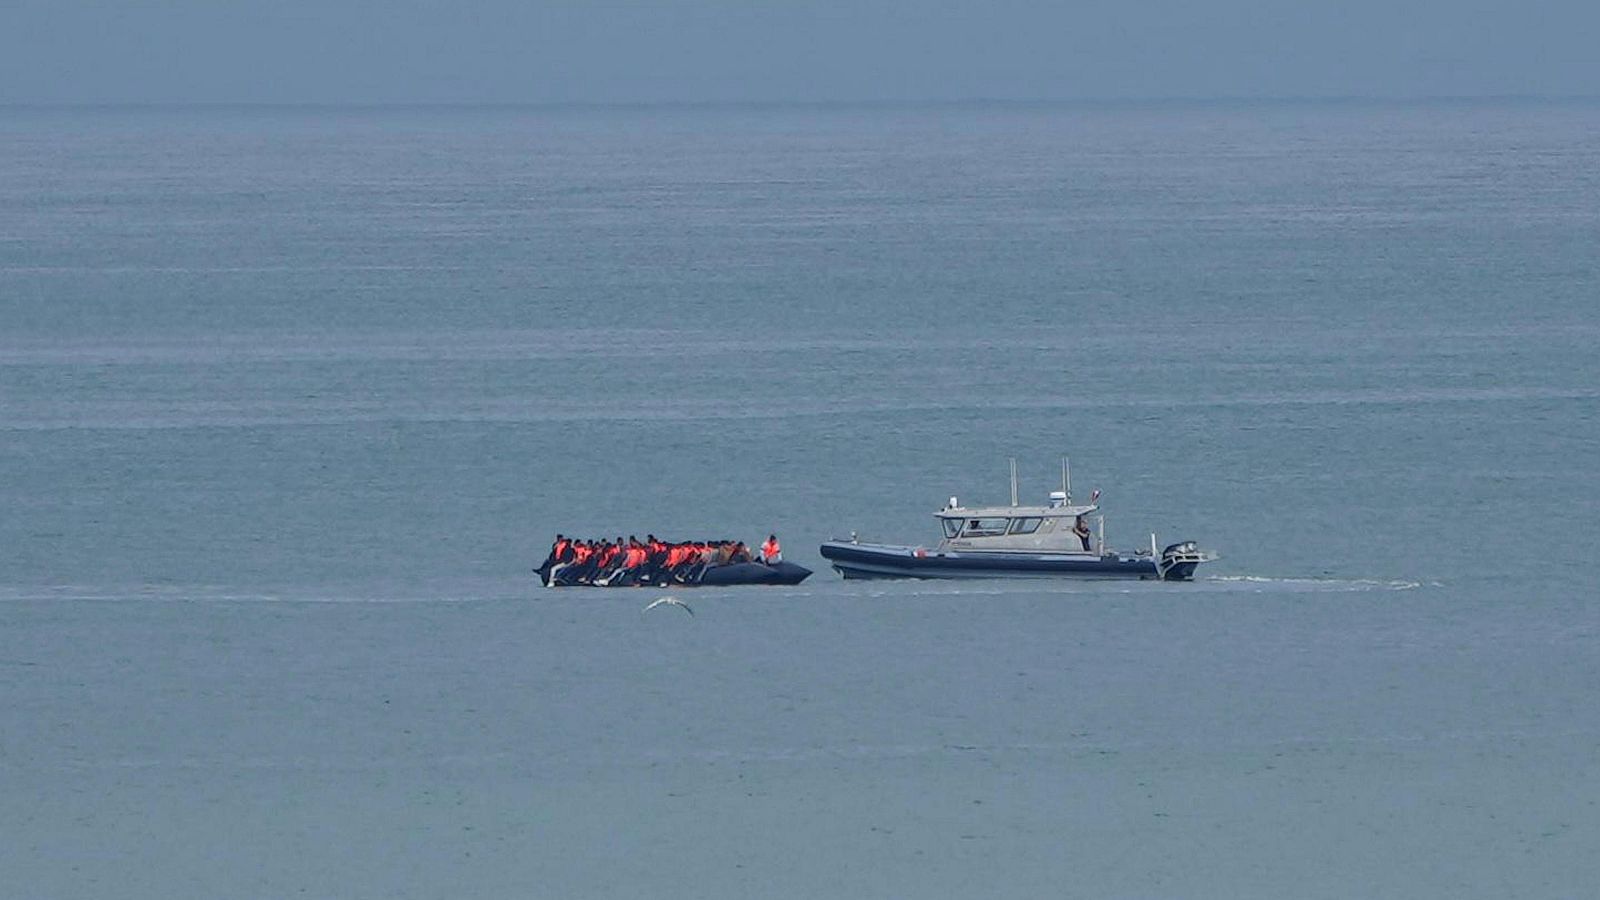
674	601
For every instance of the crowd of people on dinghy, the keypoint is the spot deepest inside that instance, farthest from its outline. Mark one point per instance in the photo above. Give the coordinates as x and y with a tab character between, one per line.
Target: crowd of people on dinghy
632	562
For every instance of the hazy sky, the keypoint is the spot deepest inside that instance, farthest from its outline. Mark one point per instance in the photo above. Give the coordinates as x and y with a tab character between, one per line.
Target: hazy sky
396	51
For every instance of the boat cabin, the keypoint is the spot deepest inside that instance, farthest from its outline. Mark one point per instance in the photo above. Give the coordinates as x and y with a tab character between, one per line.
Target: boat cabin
1043	529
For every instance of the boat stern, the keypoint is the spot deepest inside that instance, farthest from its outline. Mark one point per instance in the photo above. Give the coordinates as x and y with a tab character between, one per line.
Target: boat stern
1178	561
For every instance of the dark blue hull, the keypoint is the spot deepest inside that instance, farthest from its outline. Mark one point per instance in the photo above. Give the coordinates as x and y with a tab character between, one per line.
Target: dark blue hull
755	573
853	560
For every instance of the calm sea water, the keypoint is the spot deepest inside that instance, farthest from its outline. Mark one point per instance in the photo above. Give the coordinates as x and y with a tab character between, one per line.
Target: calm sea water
291	400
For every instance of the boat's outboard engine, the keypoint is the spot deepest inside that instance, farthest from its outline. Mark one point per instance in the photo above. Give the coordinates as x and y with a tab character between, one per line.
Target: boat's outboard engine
1178	561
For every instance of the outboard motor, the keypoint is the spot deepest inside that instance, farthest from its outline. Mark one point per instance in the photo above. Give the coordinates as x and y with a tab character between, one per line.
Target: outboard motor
1178	561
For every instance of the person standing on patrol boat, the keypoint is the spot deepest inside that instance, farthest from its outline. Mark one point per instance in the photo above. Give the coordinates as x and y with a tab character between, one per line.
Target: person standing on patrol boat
1081	529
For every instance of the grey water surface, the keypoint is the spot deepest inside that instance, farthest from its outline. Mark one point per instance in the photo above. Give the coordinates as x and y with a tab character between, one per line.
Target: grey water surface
291	400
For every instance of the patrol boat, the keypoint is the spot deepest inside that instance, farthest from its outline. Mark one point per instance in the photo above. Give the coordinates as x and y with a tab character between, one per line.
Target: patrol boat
1015	541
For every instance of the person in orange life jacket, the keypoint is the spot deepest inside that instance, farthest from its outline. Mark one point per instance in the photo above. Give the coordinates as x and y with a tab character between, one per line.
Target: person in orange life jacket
608	556
770	551
706	555
558	553
676	554
556	549
608	560
605	562
635	555
583	561
655	554
637	565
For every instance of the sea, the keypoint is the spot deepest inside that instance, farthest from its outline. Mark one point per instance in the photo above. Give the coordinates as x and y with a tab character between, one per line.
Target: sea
292	399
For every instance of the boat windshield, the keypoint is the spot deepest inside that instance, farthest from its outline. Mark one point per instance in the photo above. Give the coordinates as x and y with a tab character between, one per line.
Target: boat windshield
1025	525
952	527
986	526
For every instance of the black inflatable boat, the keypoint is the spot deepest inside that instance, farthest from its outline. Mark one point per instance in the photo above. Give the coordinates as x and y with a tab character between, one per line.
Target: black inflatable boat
725	575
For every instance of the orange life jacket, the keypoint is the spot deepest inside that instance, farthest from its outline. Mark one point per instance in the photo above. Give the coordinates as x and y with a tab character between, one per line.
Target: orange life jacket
770	549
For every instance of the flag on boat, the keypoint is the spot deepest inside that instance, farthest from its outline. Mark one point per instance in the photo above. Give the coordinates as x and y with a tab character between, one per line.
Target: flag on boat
1094	497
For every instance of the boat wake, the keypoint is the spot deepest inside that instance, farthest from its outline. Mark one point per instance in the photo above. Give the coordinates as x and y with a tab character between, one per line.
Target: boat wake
1219	584
1311	585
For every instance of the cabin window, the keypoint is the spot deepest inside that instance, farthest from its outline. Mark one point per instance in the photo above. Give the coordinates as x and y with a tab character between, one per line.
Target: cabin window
952	527
1027	525
985	527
